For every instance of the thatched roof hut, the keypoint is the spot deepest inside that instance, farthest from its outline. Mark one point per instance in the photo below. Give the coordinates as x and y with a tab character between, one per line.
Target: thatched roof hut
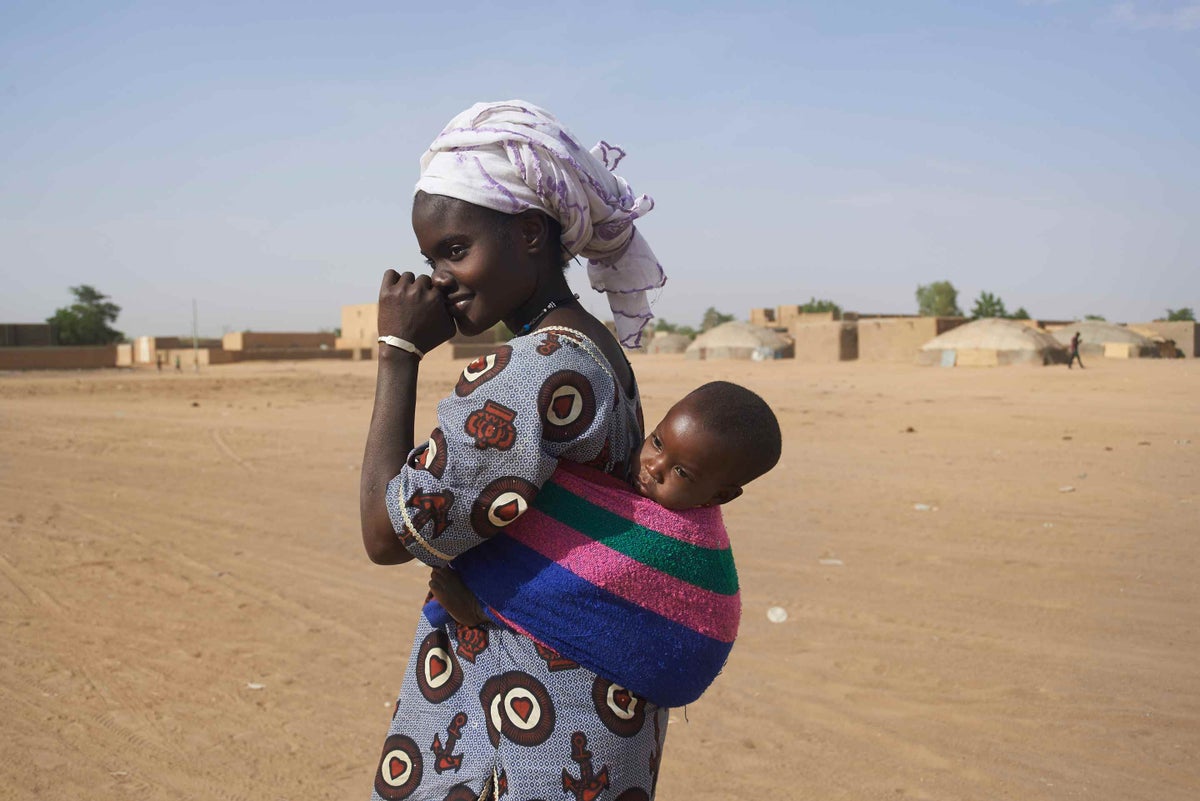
992	342
1102	338
668	343
738	340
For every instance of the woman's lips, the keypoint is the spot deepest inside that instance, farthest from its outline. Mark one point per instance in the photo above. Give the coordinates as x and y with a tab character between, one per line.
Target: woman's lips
460	303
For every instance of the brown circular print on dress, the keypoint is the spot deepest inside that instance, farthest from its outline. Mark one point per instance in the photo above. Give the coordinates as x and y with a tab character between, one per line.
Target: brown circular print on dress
622	711
483	370
431	458
500	503
438	674
489	699
400	768
517	707
567	405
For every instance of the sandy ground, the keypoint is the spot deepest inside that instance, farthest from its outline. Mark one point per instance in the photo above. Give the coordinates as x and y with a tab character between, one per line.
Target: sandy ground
187	613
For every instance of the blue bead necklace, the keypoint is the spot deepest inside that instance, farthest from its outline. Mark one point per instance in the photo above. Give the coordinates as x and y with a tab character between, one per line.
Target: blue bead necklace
551	306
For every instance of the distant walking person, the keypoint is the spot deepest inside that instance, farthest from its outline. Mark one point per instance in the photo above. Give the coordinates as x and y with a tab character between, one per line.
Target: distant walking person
179	365
1075	340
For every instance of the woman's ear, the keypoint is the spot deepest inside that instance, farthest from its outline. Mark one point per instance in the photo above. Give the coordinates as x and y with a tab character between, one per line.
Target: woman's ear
533	229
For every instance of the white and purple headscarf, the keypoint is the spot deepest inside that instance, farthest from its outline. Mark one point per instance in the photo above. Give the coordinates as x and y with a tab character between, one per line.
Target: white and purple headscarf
512	156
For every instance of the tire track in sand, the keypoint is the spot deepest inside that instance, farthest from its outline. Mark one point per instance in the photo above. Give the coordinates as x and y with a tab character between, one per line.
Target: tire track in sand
35	595
223	446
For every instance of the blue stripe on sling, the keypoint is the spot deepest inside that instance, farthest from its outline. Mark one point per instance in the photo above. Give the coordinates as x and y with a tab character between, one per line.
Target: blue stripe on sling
657	658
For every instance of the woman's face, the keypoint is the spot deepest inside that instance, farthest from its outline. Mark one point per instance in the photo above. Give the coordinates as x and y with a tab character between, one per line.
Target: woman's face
477	260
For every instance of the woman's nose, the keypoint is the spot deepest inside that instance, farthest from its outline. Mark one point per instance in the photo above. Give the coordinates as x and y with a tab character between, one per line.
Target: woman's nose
442	279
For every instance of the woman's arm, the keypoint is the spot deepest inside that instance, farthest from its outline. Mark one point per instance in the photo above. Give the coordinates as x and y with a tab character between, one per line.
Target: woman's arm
511	416
389	440
410	308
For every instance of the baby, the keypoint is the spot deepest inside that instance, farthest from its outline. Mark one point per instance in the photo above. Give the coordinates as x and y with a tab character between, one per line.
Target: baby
718	438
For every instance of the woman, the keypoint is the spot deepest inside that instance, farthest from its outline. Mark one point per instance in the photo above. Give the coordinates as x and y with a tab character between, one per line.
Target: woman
506	197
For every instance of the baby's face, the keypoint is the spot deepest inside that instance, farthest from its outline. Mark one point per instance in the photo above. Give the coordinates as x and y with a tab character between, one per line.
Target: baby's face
683	464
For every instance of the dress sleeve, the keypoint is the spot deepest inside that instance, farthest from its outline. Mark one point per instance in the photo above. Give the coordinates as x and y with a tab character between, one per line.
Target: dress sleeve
512	415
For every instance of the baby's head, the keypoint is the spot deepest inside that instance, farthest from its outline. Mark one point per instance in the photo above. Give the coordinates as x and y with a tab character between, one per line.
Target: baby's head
719	438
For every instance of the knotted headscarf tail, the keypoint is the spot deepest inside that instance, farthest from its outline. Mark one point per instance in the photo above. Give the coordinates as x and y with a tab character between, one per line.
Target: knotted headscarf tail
513	156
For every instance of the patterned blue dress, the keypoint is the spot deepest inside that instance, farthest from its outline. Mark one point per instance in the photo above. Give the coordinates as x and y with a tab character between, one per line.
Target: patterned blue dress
485	712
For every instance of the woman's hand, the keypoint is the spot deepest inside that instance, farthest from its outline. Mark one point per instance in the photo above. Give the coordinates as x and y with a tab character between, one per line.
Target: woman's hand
455	598
411	308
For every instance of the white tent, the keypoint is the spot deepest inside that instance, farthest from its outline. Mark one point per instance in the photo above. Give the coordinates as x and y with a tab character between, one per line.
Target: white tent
668	343
991	342
738	340
1101	338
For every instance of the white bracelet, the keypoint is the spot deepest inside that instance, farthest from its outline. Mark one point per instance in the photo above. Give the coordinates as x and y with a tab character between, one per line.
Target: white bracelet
402	344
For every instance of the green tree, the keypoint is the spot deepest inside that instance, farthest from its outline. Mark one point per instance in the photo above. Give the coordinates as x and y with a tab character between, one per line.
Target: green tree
988	305
1020	314
86	321
939	299
815	306
712	318
1181	315
661	326
1099	317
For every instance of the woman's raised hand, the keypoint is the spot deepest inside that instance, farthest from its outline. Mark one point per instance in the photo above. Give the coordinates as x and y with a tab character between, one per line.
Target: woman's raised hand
411	308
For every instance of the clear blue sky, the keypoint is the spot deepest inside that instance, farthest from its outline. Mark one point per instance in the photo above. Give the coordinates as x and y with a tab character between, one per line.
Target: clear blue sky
260	157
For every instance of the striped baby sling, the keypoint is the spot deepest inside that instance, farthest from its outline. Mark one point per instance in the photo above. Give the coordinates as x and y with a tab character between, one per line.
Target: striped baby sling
640	595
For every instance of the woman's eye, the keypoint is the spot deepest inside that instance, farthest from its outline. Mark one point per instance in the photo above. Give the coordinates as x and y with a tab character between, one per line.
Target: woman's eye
429	263
679	471
457	251
655	441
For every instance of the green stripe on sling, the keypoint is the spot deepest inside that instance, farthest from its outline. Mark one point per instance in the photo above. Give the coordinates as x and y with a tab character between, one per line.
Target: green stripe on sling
703	567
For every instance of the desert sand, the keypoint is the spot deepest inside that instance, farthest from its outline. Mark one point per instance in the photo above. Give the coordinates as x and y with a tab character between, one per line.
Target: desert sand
991	577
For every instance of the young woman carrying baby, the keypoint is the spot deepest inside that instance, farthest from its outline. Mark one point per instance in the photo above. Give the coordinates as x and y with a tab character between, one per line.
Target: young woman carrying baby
506	197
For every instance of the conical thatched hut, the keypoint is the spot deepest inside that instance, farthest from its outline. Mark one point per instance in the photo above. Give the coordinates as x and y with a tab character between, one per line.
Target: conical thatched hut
1101	338
668	343
738	340
990	342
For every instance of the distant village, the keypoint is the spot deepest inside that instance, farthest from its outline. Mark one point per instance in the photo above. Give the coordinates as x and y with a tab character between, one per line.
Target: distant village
783	332
961	341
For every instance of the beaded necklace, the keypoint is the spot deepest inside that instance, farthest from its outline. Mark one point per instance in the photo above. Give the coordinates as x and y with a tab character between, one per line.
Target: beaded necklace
551	306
